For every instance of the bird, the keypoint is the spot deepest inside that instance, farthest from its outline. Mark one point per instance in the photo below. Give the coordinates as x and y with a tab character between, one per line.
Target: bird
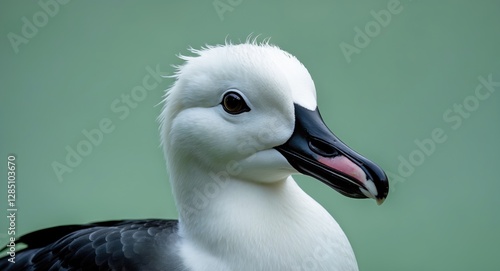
238	121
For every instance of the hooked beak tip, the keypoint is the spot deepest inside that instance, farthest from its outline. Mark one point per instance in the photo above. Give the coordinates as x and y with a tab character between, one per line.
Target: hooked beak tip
380	201
371	191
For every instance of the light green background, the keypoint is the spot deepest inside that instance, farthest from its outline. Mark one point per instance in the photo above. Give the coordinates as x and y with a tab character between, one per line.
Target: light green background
444	216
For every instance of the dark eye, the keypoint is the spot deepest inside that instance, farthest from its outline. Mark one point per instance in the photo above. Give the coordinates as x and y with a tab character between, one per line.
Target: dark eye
233	103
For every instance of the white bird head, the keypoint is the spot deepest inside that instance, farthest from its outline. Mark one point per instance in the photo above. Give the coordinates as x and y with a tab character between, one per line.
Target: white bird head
250	111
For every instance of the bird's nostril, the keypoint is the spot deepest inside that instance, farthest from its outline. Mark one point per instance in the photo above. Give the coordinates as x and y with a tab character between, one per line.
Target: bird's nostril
322	148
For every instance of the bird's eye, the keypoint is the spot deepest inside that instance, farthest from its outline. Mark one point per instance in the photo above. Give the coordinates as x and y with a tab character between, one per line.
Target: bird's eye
233	103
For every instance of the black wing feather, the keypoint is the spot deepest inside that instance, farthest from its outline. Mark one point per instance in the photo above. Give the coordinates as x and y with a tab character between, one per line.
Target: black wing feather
111	245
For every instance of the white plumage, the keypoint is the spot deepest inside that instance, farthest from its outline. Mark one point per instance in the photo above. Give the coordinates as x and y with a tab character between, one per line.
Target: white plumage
239	208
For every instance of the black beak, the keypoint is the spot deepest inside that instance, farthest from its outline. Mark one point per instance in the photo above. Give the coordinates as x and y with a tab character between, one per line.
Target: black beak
315	151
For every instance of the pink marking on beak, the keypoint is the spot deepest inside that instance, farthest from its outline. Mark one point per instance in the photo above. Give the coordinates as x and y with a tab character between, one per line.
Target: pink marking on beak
344	165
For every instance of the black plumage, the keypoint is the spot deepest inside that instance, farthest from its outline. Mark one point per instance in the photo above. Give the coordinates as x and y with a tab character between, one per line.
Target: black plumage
111	245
